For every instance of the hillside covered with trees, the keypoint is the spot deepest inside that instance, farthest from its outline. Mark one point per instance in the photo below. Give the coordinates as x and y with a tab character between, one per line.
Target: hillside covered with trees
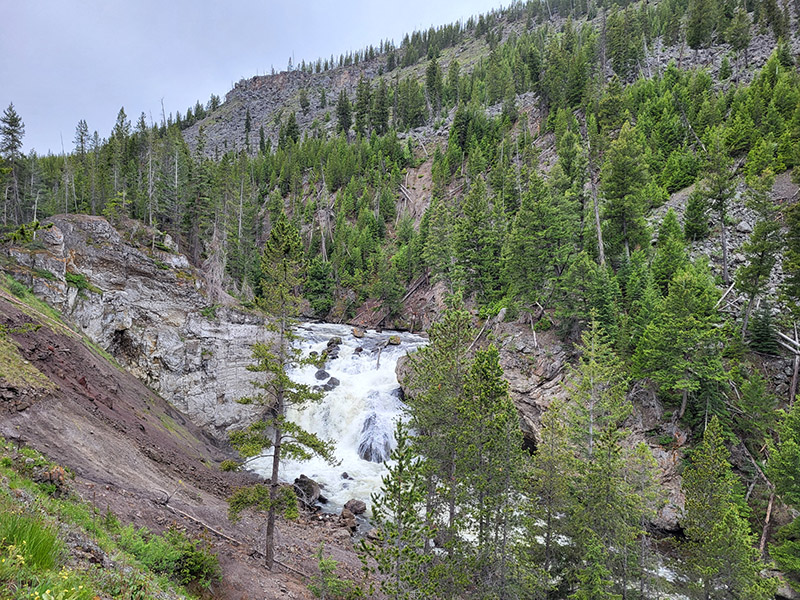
622	176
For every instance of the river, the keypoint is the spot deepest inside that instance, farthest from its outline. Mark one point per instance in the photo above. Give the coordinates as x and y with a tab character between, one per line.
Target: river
358	414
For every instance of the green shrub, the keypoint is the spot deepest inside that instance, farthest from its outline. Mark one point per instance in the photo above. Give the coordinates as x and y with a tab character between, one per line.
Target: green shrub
174	554
229	465
209	312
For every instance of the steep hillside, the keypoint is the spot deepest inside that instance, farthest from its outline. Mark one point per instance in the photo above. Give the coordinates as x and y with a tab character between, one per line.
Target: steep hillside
134	454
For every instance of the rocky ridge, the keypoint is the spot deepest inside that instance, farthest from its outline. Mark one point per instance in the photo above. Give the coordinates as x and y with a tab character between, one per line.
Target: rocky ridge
139	300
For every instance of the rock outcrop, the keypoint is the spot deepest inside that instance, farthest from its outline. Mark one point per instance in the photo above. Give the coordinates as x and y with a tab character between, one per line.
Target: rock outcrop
139	300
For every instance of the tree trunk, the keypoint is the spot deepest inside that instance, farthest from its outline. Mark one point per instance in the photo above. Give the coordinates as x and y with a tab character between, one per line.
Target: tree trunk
269	549
725	276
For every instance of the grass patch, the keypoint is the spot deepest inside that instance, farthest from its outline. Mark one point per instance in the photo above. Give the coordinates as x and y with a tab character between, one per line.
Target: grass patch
79	280
17	371
28	536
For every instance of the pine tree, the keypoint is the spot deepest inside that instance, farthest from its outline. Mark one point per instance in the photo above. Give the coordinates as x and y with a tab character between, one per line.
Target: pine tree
724	561
700	22
12	130
492	462
477	243
400	548
436	385
624	176
679	348
718	187
434	86
762	332
539	246
597	390
542	558
362	106
695	225
791	260
762	248
282	272
379	117
344	112
671	253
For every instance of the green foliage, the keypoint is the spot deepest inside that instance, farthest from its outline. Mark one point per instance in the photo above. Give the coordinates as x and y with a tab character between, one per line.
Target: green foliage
400	551
16	288
327	585
696	217
718	535
79	280
623	179
37	543
679	347
762	332
173	554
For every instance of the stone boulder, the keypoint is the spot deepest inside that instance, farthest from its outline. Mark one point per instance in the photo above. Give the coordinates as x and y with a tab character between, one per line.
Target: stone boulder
348	519
357	507
307	489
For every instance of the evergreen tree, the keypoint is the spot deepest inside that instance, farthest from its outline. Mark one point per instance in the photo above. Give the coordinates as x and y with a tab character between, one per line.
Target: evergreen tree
791	260
379	117
400	548
762	332
477	243
492	462
679	348
539	246
762	248
695	225
543	559
597	390
624	176
718	187
344	112
700	22
671	255
724	561
282	272
434	86
362	106
12	130
436	385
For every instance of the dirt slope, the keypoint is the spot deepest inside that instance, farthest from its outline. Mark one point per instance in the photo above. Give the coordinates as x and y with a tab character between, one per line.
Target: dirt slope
135	454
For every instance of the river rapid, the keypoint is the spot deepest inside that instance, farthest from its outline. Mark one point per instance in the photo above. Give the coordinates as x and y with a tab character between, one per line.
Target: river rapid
358	414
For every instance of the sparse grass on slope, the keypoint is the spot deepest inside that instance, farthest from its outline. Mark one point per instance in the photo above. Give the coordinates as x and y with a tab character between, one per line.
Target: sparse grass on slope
46	533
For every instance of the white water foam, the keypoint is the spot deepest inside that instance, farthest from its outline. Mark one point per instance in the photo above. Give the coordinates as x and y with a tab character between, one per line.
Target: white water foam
360	412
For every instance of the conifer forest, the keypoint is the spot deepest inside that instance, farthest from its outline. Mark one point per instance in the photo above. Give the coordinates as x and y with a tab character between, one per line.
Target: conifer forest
615	179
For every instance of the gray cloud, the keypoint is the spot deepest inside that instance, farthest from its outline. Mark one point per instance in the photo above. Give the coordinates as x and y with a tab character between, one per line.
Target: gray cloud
62	61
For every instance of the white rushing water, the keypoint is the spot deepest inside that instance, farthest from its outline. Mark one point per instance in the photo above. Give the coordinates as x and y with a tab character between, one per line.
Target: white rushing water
358	414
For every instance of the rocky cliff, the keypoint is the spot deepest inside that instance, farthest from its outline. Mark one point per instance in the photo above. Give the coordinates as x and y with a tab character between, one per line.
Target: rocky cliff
135	297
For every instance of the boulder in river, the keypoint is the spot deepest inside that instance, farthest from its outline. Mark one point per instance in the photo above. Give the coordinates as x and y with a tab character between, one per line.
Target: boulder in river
357	507
358	333
321	374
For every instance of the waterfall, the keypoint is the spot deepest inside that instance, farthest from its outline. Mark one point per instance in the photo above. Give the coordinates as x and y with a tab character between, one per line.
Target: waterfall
362	403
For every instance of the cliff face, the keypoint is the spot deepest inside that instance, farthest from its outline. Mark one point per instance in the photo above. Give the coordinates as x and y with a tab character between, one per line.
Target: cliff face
144	305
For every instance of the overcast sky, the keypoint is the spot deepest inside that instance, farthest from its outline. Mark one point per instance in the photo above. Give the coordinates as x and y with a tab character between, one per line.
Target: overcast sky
66	60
